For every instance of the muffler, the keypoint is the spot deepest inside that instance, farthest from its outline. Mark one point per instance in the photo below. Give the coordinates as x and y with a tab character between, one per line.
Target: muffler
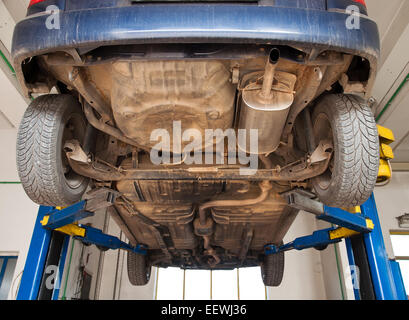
266	108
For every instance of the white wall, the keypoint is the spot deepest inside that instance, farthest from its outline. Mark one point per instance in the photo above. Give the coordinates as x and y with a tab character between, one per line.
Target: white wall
392	201
17	212
17	217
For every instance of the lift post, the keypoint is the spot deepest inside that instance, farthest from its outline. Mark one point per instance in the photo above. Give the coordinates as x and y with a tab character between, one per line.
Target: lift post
50	239
44	250
379	278
385	284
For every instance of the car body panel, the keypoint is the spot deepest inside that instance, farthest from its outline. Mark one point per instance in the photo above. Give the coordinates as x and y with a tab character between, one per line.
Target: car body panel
193	23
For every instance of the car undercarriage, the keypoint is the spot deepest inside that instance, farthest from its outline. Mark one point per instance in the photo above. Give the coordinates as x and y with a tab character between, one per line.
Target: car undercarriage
167	128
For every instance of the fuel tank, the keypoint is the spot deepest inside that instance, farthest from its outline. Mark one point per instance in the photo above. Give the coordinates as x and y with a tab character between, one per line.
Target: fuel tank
150	95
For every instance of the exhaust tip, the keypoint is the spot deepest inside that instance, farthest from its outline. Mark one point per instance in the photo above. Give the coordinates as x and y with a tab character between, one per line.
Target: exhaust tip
274	56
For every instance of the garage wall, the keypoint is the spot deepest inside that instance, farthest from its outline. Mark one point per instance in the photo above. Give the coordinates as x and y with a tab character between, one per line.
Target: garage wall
17	212
17	217
392	201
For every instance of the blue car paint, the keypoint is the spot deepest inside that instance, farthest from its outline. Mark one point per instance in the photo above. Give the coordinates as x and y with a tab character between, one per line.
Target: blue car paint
193	23
344	4
93	4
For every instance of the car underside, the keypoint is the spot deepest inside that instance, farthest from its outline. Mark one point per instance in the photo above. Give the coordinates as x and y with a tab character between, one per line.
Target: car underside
315	133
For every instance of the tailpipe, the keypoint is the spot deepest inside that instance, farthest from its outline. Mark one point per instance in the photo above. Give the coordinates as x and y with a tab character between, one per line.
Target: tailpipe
269	73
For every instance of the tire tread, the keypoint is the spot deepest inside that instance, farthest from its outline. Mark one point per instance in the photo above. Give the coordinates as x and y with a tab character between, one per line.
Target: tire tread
358	149
137	269
36	150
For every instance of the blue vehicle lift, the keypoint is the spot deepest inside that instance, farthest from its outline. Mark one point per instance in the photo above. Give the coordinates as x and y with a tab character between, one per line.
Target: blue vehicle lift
379	278
50	239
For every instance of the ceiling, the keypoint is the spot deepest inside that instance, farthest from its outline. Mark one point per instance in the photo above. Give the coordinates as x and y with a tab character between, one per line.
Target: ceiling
17	8
393	23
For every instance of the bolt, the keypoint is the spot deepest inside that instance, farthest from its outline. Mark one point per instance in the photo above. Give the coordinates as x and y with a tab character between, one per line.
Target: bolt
213	115
73	74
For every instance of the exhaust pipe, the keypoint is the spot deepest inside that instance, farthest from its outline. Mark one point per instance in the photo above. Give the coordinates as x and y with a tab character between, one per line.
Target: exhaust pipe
266	108
269	73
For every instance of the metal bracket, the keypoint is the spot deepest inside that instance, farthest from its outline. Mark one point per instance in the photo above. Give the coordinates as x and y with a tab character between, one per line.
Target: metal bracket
97	237
100	198
302	200
60	218
317	239
320	238
94	200
63	220
349	224
321	152
355	222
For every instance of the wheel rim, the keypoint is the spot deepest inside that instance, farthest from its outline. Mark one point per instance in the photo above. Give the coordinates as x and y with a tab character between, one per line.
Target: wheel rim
148	273
74	129
323	131
262	271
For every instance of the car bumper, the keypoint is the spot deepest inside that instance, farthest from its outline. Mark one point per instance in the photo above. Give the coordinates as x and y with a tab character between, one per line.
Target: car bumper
194	23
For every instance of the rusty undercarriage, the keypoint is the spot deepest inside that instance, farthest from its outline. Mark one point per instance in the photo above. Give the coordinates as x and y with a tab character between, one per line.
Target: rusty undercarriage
201	216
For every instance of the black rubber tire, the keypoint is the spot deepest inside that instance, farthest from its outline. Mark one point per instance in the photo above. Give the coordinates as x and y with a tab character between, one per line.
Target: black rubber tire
321	247
272	269
355	159
40	158
139	272
102	248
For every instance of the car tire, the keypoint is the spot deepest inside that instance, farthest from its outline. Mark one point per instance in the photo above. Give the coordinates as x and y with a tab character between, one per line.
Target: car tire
46	177
102	248
272	269
349	122
321	247
139	272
